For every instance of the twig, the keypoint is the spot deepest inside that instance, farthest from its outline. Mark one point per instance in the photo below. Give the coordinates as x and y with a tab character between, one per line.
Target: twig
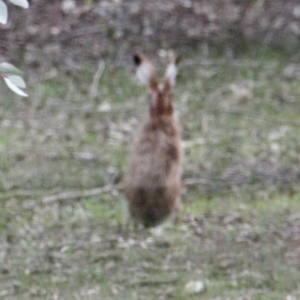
195	181
97	76
78	194
154	282
284	15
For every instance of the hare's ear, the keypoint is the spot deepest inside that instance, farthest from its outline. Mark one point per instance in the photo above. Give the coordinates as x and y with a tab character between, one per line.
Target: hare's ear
145	71
171	73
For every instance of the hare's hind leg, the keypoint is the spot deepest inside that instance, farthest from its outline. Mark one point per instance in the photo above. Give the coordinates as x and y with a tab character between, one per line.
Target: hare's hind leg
132	223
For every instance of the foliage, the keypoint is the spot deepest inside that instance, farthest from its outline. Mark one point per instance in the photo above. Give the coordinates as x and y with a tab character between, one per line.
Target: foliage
10	73
3	8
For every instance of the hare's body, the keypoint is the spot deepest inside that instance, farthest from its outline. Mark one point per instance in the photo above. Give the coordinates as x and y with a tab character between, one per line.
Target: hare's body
152	183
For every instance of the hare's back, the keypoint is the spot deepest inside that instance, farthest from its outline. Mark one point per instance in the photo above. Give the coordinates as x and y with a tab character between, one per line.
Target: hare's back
156	154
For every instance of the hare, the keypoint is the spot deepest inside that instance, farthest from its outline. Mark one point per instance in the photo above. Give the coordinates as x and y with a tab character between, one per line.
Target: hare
153	178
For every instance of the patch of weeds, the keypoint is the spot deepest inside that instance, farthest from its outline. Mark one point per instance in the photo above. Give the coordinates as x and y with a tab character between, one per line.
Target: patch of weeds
105	210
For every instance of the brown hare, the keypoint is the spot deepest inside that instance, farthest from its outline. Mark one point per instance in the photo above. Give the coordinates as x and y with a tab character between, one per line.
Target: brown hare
153	179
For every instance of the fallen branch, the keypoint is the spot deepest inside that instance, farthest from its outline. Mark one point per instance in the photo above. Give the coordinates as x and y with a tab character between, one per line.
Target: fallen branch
68	195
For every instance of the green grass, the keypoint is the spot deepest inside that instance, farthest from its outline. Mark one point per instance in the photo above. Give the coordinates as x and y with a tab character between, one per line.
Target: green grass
238	249
241	199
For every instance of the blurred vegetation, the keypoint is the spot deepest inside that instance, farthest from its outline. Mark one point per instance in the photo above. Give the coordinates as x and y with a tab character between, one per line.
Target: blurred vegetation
64	149
56	34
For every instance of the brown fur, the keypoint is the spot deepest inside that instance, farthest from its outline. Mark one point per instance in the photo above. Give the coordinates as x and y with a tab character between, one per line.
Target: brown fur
152	182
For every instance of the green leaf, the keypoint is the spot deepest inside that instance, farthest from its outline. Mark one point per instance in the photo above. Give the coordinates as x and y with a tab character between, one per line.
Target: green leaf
14	88
8	68
3	12
22	3
17	80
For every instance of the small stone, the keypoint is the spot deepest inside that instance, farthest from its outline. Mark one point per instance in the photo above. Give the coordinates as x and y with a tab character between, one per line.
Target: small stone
195	287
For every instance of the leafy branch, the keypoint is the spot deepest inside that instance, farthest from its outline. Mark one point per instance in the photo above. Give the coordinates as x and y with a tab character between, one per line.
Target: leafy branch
11	74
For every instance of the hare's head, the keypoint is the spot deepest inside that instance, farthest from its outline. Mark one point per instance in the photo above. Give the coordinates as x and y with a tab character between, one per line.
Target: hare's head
162	104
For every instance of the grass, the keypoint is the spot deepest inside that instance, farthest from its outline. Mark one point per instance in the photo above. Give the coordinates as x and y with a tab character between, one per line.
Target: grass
239	234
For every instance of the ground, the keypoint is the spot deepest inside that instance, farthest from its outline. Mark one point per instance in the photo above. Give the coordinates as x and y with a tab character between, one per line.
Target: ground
63	155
